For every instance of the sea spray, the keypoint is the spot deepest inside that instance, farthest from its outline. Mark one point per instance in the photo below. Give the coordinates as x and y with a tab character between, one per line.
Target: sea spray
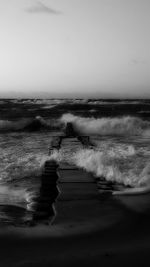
125	125
9	195
120	163
117	165
101	164
116	126
24	169
63	156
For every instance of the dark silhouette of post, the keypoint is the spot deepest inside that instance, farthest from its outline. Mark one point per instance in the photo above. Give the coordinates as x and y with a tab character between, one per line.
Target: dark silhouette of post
70	131
44	204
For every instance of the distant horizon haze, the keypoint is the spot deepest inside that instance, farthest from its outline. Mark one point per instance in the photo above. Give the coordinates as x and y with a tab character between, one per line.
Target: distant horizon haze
48	95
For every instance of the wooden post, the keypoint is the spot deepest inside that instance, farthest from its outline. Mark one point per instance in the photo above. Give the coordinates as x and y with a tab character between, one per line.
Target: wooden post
44	204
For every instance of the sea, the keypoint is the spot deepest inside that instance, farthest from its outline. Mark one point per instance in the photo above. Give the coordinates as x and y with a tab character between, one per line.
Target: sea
118	128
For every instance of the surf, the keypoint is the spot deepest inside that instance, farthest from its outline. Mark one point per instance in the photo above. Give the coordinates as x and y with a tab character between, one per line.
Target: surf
125	125
132	191
29	125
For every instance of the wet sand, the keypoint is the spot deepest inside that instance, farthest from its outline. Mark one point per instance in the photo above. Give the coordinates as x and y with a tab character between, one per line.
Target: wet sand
114	236
90	229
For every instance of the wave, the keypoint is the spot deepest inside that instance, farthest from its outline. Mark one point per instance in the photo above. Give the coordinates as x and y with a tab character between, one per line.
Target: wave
36	124
133	191
125	125
9	195
108	126
121	166
116	167
17	168
6	125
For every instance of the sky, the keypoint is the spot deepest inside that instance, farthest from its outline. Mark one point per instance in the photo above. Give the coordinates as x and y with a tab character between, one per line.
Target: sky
75	48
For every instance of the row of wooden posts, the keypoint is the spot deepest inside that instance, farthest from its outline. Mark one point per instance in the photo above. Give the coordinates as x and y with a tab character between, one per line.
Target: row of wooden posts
43	204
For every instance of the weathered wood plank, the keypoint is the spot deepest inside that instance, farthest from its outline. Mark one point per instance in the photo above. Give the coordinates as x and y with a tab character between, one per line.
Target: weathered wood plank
76	191
77	175
66	166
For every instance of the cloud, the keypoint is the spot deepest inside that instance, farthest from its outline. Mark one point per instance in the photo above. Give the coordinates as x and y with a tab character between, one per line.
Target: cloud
40	7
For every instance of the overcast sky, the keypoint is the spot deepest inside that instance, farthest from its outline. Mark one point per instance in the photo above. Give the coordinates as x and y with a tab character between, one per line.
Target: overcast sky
75	48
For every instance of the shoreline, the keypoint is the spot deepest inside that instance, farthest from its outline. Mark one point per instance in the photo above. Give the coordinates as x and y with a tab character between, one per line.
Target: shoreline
123	242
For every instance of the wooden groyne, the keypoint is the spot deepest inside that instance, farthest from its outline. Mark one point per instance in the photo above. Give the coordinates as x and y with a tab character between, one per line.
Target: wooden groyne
69	132
44	208
65	189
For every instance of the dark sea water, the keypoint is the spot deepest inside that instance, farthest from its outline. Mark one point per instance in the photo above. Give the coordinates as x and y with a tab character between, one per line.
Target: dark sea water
120	130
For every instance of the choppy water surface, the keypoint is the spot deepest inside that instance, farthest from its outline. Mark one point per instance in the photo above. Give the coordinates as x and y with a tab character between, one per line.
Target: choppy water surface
121	153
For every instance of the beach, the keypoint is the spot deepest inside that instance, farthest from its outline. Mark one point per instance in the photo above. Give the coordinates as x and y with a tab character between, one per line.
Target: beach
117	237
74	133
95	223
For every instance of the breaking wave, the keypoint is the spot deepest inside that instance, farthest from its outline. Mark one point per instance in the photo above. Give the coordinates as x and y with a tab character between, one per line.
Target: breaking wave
88	126
117	161
108	126
117	165
114	167
22	167
36	124
9	195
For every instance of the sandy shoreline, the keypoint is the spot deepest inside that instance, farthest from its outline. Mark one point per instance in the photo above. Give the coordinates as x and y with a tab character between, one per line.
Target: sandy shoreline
90	229
120	238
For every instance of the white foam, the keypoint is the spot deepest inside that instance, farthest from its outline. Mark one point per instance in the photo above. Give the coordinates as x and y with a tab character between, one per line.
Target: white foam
107	126
119	164
9	195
